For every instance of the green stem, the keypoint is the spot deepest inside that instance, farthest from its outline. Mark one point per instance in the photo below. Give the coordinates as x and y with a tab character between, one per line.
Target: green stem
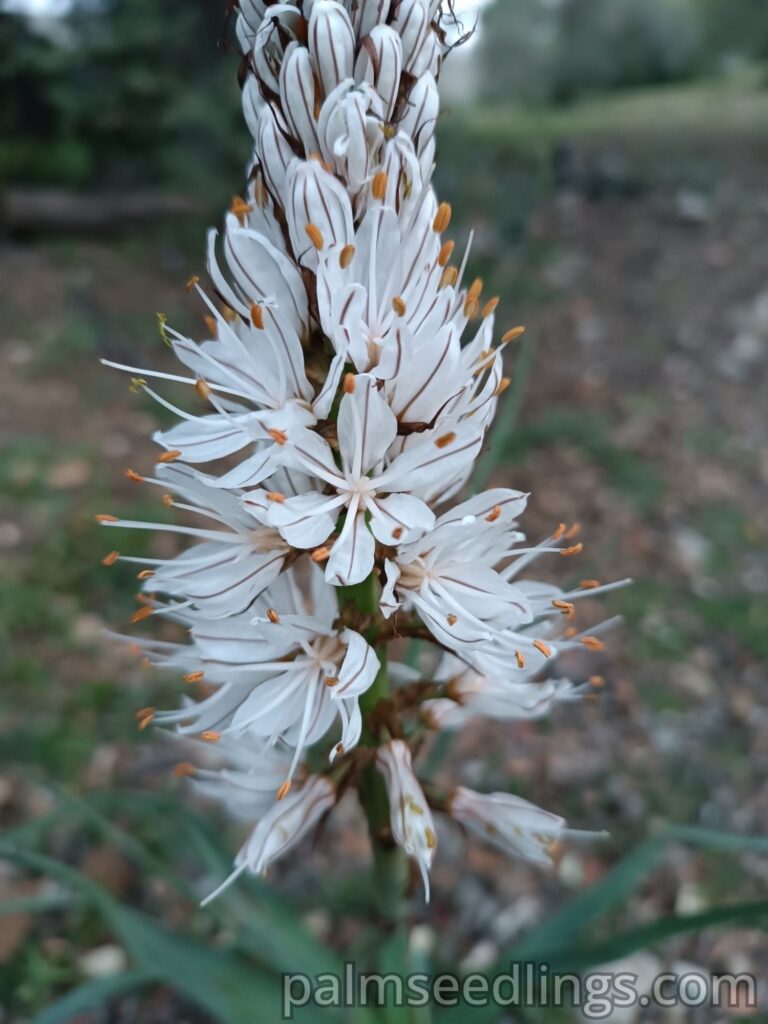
390	865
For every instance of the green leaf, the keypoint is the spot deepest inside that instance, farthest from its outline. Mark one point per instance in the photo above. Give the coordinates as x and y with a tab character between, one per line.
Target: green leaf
556	942
91	996
230	988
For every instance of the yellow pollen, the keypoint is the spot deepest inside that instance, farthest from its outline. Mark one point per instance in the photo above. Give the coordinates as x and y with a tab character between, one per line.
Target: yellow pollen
545	649
520	659
284	790
431	839
194	677
442	218
490	308
349	384
589	584
346	256
450	277
513	335
137	384
399	306
575	549
320	555
592	643
194	280
184	770
257	316
494	514
273	616
503	385
445	254
228	313
315	236
111	558
203	390
145	713
379	186
278	436
445	440
170	456
277	496
133	475
145	574
142	613
210	736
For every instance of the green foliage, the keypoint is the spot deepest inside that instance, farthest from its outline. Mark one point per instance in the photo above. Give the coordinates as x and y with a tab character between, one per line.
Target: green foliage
127	93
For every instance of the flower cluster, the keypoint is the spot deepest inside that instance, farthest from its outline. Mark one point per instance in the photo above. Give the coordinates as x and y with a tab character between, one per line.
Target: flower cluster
343	395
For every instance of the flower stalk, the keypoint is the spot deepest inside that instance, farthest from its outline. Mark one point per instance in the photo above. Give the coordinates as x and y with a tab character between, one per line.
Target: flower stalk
336	407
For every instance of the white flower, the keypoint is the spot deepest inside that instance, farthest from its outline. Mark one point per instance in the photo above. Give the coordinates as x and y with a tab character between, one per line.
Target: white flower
472	695
281	828
363	486
283	674
410	817
510	823
231	567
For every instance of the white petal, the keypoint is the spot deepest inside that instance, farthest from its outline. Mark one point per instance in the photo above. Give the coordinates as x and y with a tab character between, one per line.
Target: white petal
400	518
352	554
366	427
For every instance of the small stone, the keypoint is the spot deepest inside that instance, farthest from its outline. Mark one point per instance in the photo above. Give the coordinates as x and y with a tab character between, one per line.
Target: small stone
103	962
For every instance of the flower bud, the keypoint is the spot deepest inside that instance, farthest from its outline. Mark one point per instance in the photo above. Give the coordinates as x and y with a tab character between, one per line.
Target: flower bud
331	43
380	63
410	818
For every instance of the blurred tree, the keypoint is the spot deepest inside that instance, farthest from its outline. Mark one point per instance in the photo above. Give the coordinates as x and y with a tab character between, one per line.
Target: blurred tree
561	49
127	93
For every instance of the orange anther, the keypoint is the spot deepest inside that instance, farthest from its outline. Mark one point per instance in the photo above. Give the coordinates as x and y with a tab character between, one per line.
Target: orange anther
520	659
273	616
257	316
445	253
107	519
575	549
315	236
170	456
284	789
211	736
277	496
379	185
349	384
111	558
278	436
445	440
545	649
142	613
442	218
133	475
203	390
346	256
592	643
494	514
399	306
512	335
194	677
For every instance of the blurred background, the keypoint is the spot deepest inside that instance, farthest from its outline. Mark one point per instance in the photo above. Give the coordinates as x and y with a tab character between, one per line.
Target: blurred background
611	158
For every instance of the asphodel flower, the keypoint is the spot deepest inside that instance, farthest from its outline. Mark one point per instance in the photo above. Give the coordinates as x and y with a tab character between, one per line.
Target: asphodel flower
337	405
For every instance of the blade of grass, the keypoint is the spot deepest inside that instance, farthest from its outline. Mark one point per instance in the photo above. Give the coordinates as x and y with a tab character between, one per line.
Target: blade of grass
90	996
